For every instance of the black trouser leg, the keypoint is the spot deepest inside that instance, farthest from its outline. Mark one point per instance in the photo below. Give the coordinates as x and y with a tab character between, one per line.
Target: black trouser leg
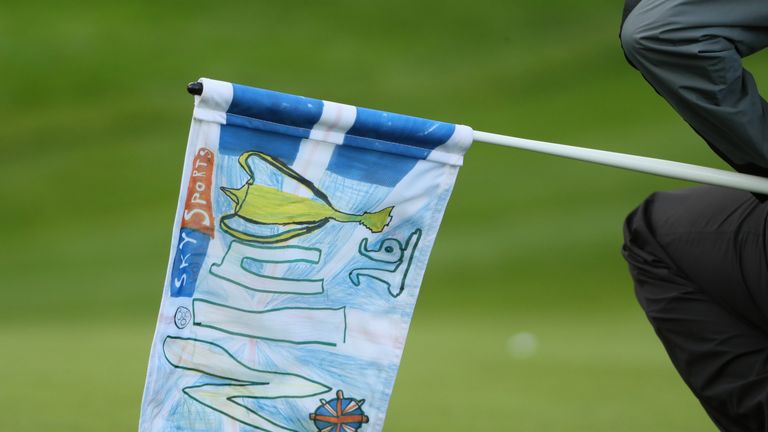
698	260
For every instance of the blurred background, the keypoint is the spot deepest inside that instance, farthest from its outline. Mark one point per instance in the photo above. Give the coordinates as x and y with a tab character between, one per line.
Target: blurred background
527	320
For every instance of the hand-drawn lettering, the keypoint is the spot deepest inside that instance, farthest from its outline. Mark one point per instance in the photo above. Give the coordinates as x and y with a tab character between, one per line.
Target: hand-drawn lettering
232	268
395	260
244	382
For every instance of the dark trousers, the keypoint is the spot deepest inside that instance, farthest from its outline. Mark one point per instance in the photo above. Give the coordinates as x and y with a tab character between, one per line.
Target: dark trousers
699	263
690	51
698	256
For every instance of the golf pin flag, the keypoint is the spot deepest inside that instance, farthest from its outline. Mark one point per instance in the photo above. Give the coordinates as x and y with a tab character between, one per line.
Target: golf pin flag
301	238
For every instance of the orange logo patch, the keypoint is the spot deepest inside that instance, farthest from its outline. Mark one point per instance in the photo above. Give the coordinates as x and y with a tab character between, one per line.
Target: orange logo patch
198	212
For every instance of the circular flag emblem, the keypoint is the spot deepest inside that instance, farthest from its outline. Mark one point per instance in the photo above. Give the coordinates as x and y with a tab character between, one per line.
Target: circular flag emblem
182	317
339	415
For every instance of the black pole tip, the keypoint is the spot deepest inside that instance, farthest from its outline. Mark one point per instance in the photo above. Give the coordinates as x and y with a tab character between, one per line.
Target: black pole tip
195	88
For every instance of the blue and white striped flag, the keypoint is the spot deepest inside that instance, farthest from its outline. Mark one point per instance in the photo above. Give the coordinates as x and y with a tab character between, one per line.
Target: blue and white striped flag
301	238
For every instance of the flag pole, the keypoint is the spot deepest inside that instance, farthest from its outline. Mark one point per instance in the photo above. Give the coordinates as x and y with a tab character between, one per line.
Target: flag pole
648	165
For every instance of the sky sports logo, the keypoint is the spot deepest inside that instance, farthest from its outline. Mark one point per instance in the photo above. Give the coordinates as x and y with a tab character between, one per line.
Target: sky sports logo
196	226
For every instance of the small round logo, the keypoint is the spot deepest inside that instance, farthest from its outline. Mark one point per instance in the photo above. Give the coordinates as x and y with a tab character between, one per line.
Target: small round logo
182	317
342	414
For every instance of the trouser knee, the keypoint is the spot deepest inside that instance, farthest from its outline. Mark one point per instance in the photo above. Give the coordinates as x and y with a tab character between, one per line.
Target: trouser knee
629	6
640	32
638	231
642	249
633	37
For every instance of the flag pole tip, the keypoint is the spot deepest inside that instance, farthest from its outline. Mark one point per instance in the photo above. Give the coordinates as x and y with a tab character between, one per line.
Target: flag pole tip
195	88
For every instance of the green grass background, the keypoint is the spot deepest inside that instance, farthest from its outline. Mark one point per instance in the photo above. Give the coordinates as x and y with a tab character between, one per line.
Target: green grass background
94	123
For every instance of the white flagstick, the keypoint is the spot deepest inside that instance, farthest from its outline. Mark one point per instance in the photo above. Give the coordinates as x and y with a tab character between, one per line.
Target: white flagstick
648	165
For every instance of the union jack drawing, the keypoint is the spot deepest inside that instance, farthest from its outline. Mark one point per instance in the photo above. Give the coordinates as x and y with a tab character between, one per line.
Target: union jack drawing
340	414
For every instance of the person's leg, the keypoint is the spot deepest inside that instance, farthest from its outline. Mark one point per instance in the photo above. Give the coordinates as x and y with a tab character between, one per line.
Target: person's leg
690	51
629	6
699	264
